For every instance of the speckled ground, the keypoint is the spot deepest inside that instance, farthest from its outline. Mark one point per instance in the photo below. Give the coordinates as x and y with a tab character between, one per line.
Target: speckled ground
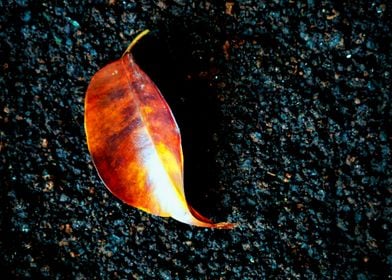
285	111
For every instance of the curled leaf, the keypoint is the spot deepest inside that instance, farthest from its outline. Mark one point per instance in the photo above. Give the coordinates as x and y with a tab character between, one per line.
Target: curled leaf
135	142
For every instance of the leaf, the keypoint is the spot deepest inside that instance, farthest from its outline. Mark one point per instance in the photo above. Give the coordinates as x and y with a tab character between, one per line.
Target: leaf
135	142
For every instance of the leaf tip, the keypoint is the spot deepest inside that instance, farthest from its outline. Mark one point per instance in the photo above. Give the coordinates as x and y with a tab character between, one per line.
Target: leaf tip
225	225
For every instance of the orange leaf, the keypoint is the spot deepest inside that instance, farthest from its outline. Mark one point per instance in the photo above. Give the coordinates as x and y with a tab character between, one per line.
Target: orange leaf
135	142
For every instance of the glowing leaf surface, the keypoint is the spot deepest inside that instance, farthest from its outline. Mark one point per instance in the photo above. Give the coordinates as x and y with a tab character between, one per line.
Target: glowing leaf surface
135	142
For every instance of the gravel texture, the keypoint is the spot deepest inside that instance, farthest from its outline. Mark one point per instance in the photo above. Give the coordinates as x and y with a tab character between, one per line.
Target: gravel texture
285	111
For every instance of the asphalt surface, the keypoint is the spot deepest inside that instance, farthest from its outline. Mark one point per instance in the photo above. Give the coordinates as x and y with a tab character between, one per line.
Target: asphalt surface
285	113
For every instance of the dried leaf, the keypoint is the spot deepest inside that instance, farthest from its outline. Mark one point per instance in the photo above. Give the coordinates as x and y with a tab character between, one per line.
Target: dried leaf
135	142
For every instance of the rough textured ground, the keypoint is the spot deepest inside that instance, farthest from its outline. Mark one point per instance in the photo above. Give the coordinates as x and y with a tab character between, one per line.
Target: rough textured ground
285	110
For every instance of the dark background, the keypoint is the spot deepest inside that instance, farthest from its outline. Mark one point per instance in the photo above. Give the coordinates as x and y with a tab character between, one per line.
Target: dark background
285	113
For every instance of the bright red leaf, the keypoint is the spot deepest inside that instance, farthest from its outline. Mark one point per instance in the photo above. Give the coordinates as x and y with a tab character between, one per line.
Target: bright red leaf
135	142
